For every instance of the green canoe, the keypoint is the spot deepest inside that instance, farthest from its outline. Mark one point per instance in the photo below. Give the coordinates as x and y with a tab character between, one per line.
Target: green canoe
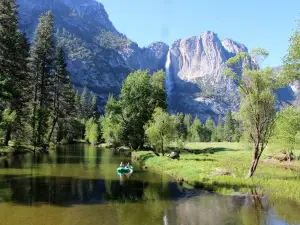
124	170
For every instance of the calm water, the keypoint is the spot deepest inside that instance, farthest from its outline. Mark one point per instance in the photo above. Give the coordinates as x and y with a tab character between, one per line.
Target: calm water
79	185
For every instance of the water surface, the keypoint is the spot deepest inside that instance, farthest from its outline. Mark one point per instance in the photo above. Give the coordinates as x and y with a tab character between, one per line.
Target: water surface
78	184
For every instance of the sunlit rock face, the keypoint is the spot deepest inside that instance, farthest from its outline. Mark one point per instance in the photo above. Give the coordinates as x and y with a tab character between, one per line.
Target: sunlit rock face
197	66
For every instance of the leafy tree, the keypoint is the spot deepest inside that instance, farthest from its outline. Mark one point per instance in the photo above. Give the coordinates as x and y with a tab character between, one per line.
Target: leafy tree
161	129
136	111
94	133
159	96
187	121
210	125
140	94
111	125
229	129
287	129
194	130
7	122
88	126
257	109
41	64
291	66
111	131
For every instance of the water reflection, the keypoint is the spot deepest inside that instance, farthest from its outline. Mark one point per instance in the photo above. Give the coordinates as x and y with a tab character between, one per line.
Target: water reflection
80	183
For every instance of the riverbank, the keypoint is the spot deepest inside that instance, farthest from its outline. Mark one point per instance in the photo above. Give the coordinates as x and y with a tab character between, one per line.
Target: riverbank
222	168
23	149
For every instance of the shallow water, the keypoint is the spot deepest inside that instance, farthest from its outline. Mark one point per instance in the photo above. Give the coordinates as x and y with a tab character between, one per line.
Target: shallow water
78	184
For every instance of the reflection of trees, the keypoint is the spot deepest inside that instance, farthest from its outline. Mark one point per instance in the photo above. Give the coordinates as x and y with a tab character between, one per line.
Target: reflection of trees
210	209
67	190
144	198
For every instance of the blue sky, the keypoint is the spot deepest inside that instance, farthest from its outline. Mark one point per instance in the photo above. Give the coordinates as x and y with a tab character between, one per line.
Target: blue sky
255	23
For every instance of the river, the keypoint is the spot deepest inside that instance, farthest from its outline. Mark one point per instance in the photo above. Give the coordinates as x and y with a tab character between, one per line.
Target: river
78	184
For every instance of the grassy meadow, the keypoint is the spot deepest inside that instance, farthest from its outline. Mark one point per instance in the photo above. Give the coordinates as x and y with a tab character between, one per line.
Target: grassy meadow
222	168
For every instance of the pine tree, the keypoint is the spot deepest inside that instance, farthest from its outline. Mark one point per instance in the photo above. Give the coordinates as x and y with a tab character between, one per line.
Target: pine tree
93	107
237	132
84	104
77	103
13	66
182	132
229	127
210	125
194	130
63	94
8	31
187	121
220	130
41	60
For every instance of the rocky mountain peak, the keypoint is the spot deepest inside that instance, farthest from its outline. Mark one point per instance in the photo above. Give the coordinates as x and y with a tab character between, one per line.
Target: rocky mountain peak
233	47
84	12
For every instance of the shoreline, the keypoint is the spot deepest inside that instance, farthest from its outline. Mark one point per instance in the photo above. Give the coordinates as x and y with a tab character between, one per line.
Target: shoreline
224	173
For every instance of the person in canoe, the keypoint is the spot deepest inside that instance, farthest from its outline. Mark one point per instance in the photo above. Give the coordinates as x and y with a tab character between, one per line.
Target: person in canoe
121	164
128	165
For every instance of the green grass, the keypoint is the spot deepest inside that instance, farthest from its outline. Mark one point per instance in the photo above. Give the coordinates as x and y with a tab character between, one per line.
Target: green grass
198	168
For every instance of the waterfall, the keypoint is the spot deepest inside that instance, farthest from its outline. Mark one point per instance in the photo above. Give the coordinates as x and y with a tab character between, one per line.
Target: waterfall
168	82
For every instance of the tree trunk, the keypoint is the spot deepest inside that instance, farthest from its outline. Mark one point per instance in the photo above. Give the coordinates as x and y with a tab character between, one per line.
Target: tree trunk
34	116
252	168
7	136
52	129
254	162
42	100
162	148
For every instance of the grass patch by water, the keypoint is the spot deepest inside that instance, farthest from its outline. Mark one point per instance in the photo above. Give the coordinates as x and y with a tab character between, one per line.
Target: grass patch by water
222	168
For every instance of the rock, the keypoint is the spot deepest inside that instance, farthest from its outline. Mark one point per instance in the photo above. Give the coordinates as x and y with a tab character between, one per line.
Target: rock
197	65
174	155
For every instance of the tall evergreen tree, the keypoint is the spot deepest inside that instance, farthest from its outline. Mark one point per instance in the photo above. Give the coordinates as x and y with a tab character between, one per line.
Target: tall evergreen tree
63	94
77	103
194	130
8	31
220	130
210	125
93	104
41	60
84	103
181	129
13	65
228	127
187	121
